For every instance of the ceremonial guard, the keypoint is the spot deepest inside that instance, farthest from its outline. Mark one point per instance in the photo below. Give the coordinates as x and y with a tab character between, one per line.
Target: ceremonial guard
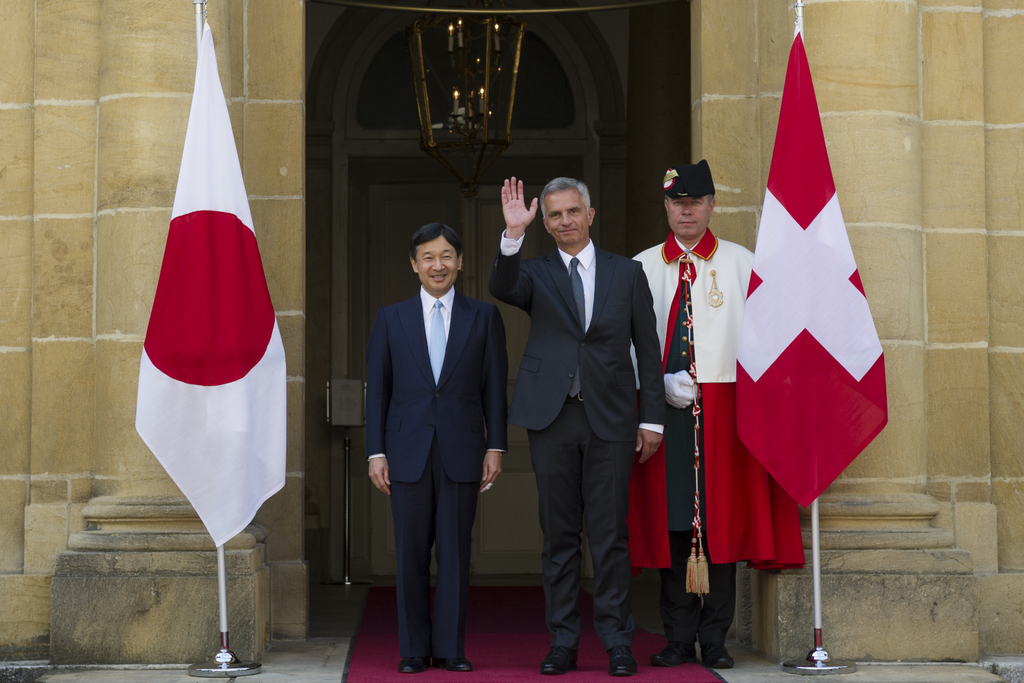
702	502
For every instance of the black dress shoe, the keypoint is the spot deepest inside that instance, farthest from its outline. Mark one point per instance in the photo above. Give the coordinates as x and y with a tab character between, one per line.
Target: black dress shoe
412	665
715	656
674	654
453	663
621	661
559	660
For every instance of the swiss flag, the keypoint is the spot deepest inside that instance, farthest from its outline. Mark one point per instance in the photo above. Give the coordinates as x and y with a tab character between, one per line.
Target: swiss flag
810	386
212	381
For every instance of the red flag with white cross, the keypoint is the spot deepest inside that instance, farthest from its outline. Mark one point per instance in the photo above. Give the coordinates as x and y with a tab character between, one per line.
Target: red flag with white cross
810	386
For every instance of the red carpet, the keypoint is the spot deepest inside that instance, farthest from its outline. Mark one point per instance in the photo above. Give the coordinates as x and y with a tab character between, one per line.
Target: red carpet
505	639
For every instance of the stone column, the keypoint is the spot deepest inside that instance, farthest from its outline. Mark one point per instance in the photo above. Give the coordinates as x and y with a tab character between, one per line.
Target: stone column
135	540
658	116
1002	595
956	275
274	170
886	542
726	108
24	595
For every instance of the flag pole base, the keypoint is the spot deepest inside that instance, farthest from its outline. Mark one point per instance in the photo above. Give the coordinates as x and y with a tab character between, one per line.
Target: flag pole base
818	663
224	665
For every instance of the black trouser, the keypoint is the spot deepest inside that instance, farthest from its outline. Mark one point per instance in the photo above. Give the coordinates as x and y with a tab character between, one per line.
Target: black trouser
434	511
580	476
684	615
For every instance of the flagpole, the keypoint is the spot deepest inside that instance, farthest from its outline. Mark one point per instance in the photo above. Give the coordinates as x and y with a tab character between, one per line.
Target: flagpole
200	6
799	28
818	660
224	664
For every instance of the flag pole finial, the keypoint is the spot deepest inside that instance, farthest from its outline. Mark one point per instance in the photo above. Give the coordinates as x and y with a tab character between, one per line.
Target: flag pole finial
799	7
200	6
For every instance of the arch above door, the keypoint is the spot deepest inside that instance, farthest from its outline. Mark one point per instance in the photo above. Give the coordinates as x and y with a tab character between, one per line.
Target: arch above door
355	172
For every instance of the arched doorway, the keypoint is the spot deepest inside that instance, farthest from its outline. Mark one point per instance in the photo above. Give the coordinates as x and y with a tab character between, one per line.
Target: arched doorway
369	187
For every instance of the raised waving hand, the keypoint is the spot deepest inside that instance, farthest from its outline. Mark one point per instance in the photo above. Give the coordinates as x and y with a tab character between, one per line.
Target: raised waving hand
513	206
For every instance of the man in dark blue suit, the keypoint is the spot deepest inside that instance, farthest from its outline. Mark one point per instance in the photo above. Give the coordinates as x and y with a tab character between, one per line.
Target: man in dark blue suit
436	405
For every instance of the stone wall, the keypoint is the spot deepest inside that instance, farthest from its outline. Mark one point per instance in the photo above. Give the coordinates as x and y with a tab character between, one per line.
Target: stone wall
94	100
923	111
923	115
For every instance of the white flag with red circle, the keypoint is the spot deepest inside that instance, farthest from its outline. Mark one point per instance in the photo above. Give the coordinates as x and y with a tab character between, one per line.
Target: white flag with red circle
810	387
212	381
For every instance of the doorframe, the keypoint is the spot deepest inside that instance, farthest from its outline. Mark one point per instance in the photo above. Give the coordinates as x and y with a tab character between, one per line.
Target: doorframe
333	156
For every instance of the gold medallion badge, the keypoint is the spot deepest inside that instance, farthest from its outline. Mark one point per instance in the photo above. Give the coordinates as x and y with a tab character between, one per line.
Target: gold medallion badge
715	297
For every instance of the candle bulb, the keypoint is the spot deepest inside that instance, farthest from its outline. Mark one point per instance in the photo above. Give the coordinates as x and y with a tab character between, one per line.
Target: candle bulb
455	103
481	100
451	37
497	39
460	34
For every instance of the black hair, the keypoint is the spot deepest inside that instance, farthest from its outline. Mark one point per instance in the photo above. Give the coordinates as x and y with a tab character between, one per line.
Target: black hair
431	231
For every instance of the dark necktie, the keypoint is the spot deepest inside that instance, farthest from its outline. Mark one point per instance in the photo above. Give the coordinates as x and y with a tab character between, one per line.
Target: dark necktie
581	313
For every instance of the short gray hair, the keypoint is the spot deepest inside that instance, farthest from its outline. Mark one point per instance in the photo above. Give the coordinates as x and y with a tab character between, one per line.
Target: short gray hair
559	184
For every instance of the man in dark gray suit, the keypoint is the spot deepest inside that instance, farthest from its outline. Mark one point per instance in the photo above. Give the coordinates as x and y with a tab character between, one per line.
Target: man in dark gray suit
576	394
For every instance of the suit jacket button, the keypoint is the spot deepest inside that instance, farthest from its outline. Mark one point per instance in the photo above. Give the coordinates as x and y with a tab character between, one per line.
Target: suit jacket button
438	395
429	426
583	343
570	374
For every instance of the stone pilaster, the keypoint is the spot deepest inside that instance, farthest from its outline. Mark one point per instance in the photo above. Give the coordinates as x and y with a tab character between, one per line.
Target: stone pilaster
24	600
658	114
274	168
1002	594
956	273
726	109
134	540
885	539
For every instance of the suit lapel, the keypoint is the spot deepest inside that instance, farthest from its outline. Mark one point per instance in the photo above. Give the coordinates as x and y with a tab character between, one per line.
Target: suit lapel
410	315
458	334
602	281
560	275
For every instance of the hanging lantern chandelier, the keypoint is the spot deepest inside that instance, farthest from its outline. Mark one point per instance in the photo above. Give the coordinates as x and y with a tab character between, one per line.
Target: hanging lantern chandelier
464	71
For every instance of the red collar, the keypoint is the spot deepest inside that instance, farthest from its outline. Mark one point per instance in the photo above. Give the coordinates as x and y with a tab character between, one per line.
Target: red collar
705	249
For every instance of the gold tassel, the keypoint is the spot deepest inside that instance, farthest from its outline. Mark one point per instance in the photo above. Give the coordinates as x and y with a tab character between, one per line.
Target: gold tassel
692	585
703	582
697	580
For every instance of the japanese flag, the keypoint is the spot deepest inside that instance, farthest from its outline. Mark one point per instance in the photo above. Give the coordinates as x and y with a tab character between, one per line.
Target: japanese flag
212	382
810	386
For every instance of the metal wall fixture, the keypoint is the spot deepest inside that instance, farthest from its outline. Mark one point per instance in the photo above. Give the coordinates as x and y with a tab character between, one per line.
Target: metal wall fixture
464	72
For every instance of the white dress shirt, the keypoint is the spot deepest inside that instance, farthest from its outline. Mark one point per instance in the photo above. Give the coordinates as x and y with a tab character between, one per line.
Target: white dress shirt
427	300
586	269
588	274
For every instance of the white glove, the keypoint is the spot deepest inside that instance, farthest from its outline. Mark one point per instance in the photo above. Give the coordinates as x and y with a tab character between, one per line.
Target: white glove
679	389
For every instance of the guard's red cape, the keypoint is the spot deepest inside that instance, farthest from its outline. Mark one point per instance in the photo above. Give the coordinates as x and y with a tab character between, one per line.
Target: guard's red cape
749	516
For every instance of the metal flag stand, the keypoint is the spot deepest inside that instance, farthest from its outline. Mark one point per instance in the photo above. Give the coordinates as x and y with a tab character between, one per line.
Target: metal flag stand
818	661
224	663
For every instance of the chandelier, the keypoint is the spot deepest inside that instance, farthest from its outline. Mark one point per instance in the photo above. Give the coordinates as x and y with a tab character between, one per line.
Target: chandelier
464	72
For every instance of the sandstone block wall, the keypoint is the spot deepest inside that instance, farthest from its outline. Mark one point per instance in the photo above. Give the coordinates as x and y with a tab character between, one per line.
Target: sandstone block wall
94	100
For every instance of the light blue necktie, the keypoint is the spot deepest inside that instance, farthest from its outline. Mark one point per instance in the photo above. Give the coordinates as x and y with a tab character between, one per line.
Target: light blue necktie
437	340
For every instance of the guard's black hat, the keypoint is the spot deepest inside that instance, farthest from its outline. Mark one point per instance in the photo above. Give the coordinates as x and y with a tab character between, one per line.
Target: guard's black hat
689	180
